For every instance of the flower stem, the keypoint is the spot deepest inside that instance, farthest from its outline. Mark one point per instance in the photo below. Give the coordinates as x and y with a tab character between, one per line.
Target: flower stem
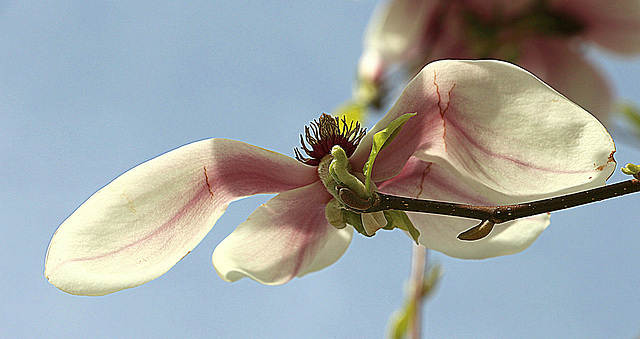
418	264
491	215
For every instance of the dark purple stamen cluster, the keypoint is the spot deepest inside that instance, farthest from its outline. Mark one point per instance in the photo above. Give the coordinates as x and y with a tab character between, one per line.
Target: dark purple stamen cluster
326	132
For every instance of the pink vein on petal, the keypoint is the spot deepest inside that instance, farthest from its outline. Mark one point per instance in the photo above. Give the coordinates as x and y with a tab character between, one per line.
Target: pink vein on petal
443	111
188	206
277	241
475	144
307	247
424	177
206	178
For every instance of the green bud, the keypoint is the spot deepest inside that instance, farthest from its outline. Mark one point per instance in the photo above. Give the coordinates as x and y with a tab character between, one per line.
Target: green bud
631	169
352	111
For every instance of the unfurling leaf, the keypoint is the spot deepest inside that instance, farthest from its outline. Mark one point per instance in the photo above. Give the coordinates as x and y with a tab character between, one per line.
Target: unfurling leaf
381	140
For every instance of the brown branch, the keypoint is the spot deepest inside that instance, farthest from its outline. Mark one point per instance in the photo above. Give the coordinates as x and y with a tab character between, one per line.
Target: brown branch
488	215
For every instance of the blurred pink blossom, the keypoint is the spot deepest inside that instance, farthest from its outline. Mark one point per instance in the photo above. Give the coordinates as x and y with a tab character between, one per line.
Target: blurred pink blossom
542	36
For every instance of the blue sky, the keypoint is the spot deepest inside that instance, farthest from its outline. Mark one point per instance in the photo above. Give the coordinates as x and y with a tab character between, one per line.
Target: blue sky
91	89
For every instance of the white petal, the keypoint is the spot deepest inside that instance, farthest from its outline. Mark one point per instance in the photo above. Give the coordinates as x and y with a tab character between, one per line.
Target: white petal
567	71
138	226
499	127
425	180
288	236
507	131
501	136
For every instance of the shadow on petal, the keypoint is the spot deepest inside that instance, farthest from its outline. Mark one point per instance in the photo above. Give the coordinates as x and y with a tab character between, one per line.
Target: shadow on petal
288	236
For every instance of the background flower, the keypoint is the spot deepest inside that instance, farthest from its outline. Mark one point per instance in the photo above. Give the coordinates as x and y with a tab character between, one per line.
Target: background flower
545	37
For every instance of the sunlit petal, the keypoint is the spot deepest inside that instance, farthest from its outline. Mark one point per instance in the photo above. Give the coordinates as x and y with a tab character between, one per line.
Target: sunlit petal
567	71
138	226
499	128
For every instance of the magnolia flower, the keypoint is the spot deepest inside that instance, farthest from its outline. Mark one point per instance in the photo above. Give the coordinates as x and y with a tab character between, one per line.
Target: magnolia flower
482	132
542	36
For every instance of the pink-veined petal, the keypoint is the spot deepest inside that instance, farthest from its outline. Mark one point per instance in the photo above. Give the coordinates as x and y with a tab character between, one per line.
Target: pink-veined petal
288	236
499	128
425	180
423	128
567	71
138	226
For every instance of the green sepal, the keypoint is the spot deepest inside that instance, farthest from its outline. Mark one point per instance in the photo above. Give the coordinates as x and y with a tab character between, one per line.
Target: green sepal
355	220
399	219
334	215
381	140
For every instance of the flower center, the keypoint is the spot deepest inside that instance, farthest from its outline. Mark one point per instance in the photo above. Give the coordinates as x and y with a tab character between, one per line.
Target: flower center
326	132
